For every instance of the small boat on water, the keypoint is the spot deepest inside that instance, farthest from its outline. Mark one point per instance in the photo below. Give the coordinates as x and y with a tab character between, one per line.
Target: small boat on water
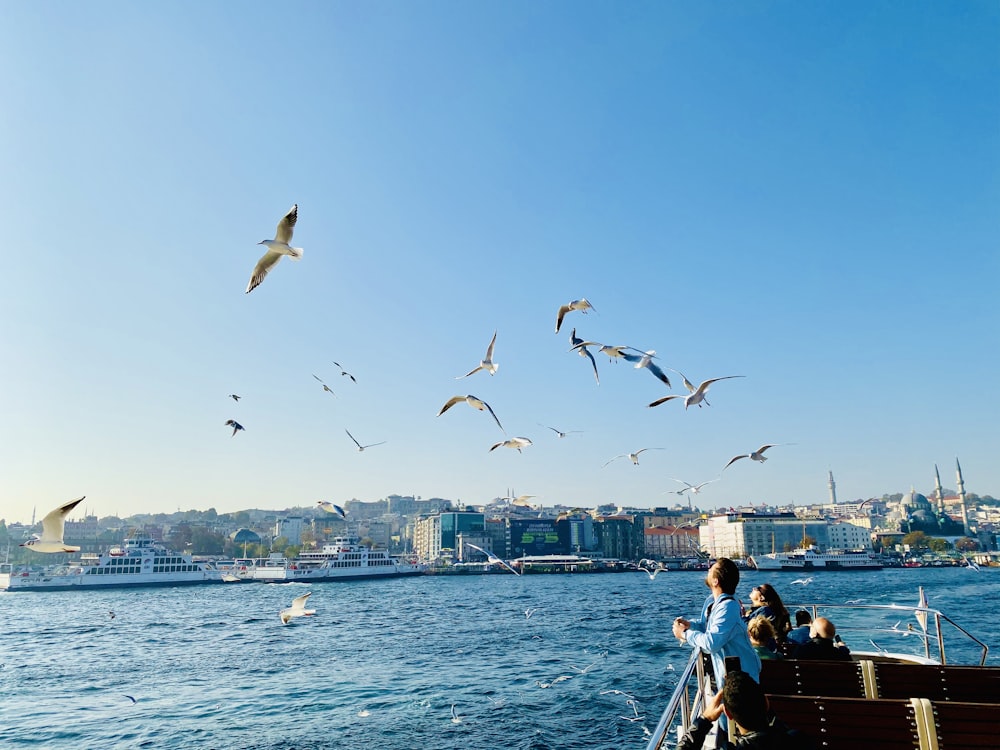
810	558
924	696
342	559
140	562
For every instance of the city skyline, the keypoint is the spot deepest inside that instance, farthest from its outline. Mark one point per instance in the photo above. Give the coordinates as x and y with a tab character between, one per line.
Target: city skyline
802	195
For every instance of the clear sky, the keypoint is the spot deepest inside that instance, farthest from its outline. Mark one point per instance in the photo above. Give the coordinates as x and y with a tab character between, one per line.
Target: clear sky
803	193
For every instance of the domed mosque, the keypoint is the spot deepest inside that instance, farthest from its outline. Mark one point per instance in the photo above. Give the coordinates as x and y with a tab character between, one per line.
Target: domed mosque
920	514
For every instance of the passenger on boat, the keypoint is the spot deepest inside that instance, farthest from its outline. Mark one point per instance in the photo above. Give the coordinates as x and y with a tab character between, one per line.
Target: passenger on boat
800	633
766	603
720	631
822	644
744	702
761	633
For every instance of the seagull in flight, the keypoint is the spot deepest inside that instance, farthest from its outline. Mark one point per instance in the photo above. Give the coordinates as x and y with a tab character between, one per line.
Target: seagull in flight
691	388
360	446
514	442
633	457
131	699
298	609
699	393
492	559
276	248
578	304
803	581
693	488
529	612
757	455
325	386
520	500
345	372
652	573
578	344
646	360
613	352
455	718
487	362
475	403
235	425
51	538
560	433
332	508
234	397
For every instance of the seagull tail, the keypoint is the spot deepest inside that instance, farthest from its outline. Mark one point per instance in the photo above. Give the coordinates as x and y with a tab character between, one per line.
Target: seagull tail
295	253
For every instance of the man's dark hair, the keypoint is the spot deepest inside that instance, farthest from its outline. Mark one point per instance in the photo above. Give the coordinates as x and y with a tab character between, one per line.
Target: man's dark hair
745	701
728	575
802	617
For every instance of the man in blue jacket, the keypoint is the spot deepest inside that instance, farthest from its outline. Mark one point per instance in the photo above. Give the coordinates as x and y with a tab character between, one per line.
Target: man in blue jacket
720	631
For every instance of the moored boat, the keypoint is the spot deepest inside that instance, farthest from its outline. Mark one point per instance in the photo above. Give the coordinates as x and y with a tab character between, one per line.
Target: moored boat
344	558
140	562
810	558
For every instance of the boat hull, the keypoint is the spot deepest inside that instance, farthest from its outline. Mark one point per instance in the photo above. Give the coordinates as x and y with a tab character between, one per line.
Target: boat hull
81	582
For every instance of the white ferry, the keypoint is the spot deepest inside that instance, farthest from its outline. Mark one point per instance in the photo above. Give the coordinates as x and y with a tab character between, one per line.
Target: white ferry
342	559
809	558
141	562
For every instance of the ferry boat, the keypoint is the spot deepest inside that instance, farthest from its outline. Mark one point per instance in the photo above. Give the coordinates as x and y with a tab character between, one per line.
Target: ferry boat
810	558
907	692
342	559
141	562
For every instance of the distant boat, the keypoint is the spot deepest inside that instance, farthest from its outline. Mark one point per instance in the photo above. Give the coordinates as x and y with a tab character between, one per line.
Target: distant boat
809	558
342	559
141	562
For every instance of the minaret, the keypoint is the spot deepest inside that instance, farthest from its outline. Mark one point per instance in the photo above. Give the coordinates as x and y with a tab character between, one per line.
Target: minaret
961	498
938	492
833	489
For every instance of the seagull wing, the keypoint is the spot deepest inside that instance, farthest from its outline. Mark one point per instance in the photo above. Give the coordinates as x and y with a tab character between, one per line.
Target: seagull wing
55	521
353	438
372	445
705	384
489	349
662	376
734	459
613	459
264	265
560	315
586	352
473	371
299	602
287	224
765	447
687	484
451	402
490	410
662	400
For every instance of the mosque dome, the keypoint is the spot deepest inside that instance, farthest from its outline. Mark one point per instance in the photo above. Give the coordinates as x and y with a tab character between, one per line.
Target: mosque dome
914	499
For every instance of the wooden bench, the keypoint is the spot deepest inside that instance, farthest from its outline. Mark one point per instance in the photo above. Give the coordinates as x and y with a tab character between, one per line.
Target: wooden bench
842	679
851	723
965	726
937	683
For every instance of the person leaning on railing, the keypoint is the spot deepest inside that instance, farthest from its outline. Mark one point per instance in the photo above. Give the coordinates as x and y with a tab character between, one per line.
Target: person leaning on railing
743	701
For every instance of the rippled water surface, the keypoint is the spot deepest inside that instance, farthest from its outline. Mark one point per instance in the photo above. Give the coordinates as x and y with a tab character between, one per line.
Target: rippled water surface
382	662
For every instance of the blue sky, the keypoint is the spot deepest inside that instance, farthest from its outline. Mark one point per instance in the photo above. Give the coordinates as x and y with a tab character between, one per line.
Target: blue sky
801	193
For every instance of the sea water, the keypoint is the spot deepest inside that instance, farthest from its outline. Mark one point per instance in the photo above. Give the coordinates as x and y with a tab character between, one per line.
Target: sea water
383	663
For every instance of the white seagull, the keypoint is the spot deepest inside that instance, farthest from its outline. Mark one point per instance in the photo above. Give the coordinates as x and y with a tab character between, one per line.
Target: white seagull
803	581
475	403
699	393
514	442
693	488
757	455
560	433
298	609
345	372
276	248
578	304
613	352
487	363
520	500
690	386
652	573
235	425
455	718
492	559
578	344
325	386
332	508
360	446
633	457
51	538
646	360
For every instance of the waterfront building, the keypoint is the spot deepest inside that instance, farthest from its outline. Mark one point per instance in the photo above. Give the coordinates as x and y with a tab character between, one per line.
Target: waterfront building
741	533
621	537
291	528
664	542
532	536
